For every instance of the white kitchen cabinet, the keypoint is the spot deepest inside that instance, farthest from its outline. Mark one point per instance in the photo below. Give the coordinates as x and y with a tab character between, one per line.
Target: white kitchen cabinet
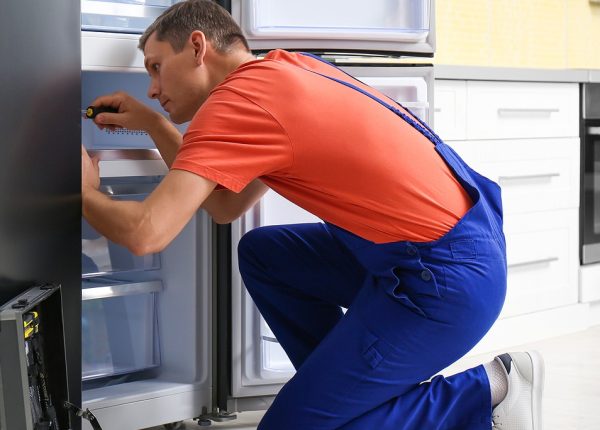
450	109
542	260
506	110
534	174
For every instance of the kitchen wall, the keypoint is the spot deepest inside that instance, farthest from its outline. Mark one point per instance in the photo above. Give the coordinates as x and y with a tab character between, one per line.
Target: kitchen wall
518	33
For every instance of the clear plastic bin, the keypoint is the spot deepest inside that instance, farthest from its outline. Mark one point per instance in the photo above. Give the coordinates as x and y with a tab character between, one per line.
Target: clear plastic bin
274	358
409	92
99	256
123	16
400	20
119	328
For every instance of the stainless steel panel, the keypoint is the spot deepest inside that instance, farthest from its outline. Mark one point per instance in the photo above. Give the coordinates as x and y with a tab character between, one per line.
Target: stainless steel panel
40	157
591	253
591	101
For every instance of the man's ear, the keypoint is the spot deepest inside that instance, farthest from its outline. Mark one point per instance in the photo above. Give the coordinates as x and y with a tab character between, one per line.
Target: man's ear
198	41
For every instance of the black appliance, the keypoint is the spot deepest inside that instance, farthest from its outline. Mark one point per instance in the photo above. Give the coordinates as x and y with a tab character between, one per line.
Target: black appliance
40	135
33	370
590	174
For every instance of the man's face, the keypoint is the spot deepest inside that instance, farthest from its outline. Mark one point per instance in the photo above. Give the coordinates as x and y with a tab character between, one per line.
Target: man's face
177	81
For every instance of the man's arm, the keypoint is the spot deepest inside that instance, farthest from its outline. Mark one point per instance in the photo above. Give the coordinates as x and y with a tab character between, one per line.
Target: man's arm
226	206
148	226
134	115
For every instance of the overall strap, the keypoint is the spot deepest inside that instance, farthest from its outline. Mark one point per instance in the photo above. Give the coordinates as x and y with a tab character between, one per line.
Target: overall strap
419	125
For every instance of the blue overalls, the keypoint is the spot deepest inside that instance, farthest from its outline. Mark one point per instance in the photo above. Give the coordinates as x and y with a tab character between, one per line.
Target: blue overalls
412	310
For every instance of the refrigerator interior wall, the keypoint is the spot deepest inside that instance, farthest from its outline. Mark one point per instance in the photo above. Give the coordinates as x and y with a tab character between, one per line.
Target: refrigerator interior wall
98	83
382	25
147	319
146	328
259	364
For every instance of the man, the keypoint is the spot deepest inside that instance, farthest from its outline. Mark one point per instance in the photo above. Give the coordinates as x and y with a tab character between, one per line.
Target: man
412	242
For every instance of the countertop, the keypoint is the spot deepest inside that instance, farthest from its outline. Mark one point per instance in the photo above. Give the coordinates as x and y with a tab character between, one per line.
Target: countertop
515	74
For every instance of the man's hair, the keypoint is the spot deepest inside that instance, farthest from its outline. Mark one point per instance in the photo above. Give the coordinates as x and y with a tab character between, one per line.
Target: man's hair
177	23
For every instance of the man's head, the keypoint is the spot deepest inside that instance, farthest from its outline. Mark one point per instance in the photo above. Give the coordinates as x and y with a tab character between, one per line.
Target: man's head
177	23
189	50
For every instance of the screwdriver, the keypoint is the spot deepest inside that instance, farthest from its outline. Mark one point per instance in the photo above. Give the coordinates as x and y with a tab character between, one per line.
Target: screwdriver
92	111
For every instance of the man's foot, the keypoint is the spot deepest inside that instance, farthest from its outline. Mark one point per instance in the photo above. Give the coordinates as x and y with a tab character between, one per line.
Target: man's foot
521	409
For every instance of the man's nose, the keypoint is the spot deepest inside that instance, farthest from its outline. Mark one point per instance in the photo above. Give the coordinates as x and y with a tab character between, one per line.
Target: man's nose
153	89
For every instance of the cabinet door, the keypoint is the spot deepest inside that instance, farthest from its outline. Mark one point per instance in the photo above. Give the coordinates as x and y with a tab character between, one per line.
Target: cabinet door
534	174
450	109
542	252
503	110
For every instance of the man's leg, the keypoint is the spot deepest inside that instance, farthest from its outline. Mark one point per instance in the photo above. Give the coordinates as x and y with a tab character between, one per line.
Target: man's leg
367	373
298	276
366	368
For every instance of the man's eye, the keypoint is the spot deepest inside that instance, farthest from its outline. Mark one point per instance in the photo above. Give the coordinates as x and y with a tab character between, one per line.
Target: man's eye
155	67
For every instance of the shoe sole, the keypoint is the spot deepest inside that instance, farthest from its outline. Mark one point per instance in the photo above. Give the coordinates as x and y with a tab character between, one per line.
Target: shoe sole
537	387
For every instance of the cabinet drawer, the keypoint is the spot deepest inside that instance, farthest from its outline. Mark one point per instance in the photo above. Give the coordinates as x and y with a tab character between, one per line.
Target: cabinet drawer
542	260
450	118
502	110
535	174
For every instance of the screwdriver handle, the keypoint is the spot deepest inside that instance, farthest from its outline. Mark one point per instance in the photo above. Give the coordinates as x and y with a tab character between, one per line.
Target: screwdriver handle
92	111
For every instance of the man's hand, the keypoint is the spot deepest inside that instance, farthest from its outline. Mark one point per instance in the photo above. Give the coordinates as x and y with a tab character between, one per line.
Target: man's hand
132	114
135	115
90	173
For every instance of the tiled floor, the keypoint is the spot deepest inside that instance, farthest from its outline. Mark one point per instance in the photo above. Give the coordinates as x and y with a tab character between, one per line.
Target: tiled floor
572	388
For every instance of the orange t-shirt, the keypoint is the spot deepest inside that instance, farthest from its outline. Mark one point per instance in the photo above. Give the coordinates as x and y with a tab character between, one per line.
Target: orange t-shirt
325	147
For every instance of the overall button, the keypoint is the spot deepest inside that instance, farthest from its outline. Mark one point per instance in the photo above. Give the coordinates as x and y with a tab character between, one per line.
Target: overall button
411	250
426	275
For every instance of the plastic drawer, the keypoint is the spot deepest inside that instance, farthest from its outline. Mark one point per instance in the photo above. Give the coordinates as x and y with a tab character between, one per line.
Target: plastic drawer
101	256
127	16
119	328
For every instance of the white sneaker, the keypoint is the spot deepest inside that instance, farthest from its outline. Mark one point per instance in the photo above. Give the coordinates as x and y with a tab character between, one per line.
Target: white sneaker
521	409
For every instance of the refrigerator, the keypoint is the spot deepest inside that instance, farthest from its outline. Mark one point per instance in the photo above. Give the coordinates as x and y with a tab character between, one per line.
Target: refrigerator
202	349
373	42
146	320
40	198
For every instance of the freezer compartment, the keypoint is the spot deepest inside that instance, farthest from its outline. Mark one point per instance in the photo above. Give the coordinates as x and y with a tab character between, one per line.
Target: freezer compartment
120	332
100	256
126	16
397	20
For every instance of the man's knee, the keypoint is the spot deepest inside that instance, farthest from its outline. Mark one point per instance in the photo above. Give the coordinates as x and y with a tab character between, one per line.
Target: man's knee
252	248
